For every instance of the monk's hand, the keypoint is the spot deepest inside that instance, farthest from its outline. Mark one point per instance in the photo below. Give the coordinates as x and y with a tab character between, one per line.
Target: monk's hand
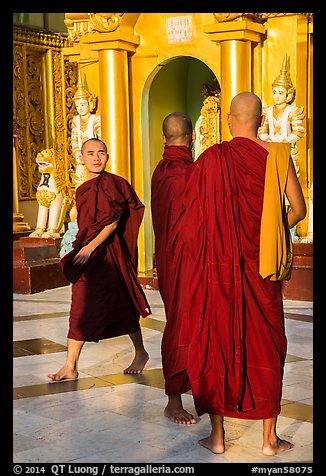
82	256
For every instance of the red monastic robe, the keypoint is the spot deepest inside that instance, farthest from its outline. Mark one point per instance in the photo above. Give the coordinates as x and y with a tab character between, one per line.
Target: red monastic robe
107	297
235	320
168	183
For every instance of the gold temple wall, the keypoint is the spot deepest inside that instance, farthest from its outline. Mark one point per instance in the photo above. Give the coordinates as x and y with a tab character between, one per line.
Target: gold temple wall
240	50
151	56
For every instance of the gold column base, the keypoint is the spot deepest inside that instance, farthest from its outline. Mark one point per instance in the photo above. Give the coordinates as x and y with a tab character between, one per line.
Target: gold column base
19	224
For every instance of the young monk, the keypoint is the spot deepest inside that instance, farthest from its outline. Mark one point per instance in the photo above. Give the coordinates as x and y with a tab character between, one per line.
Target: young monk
233	230
107	298
168	183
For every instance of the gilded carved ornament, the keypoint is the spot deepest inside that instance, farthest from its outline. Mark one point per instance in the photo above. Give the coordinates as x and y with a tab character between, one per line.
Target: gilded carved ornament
105	22
34	112
55	41
225	17
208	124
311	193
81	24
255	17
28	115
209	128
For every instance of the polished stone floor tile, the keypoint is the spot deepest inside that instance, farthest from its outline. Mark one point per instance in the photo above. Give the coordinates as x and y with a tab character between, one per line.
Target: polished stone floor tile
36	346
108	417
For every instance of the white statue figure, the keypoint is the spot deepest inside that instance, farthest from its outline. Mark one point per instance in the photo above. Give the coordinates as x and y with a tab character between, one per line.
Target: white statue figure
283	121
53	196
85	125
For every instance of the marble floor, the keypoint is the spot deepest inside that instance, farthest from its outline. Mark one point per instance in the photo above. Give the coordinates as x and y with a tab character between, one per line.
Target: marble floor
109	417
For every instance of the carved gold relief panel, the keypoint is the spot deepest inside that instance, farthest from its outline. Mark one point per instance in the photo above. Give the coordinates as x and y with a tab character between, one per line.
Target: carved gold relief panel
28	111
44	84
70	81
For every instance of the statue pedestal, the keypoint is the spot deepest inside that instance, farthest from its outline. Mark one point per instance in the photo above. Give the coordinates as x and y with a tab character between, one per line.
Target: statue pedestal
37	265
148	280
300	286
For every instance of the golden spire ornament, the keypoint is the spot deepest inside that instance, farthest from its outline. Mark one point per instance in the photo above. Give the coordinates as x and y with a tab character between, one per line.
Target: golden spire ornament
284	79
81	92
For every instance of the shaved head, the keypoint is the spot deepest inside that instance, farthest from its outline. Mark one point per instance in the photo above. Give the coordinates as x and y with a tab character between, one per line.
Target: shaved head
177	128
246	108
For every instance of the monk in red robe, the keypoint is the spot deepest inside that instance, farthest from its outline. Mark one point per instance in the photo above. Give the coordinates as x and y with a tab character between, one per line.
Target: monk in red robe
168	183
237	341
107	298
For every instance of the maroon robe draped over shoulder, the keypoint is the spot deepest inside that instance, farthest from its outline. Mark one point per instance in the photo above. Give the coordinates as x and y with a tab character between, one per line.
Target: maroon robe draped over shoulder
235	320
107	297
168	184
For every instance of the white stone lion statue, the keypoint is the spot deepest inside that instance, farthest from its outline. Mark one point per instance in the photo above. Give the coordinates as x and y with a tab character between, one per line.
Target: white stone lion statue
53	195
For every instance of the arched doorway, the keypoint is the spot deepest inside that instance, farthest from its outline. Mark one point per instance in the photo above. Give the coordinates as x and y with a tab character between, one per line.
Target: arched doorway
174	86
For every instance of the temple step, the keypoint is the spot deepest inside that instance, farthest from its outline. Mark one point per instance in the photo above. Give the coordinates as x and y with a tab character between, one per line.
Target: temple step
148	280
33	252
37	265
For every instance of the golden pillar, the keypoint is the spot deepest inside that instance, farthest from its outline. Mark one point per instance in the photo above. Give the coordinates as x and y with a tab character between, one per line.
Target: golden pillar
236	38
235	76
114	94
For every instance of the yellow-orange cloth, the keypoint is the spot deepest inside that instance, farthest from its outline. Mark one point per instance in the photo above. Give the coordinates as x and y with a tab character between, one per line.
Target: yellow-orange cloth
275	258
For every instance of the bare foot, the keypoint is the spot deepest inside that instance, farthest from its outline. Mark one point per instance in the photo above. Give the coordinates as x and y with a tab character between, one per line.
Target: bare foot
137	364
213	444
273	449
178	414
64	374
